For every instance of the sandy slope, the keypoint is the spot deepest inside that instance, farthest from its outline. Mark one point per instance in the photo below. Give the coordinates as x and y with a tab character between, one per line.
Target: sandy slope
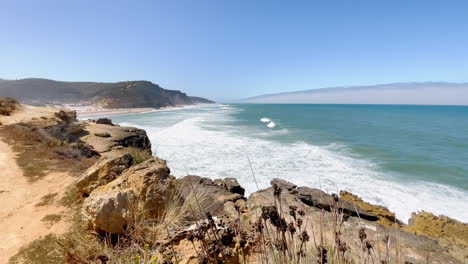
25	113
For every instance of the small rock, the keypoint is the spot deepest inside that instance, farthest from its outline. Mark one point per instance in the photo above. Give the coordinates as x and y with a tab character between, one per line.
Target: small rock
104	121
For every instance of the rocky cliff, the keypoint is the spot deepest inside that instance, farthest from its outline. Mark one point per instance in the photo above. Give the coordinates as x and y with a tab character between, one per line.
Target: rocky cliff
108	95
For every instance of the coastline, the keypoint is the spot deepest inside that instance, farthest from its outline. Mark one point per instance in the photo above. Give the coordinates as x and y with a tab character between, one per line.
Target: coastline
99	185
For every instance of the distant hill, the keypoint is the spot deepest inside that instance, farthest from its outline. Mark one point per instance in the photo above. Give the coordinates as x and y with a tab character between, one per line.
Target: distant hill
424	93
109	95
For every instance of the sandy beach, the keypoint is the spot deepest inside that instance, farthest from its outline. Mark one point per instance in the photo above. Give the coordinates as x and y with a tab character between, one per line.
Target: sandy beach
90	111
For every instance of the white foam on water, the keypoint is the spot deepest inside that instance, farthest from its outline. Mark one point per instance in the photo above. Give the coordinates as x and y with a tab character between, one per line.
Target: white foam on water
223	153
265	119
271	124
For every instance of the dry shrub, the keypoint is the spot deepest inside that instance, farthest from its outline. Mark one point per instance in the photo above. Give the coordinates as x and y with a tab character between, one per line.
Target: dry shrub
182	209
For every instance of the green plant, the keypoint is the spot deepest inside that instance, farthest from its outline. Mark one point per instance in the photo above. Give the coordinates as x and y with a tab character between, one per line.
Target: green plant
140	156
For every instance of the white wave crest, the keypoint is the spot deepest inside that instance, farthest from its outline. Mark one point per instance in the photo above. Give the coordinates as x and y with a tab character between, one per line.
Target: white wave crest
265	120
271	124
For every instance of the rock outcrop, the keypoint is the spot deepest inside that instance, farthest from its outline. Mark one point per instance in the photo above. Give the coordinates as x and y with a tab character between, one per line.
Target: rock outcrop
104	137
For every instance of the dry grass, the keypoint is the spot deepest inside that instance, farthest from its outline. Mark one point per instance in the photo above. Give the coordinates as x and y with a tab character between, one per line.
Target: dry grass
82	246
8	105
52	218
282	234
39	153
47	199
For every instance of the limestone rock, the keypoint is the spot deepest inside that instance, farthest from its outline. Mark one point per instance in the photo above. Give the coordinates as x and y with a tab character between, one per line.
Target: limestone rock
140	192
110	212
103	172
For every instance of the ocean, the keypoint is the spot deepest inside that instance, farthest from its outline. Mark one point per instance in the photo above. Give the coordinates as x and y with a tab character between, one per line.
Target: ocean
406	158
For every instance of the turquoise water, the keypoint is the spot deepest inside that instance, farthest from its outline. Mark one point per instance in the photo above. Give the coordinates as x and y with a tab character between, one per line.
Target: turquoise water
407	158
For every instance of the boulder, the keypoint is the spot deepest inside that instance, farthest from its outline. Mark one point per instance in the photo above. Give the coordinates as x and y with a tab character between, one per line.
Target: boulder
103	172
110	212
140	192
104	121
209	191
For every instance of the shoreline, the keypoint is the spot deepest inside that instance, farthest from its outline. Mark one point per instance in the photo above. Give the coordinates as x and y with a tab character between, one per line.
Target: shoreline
86	112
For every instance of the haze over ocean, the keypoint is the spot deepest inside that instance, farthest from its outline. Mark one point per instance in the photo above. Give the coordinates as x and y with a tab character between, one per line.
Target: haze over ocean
407	158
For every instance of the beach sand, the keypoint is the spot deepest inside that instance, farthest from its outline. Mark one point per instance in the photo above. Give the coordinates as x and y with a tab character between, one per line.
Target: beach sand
85	112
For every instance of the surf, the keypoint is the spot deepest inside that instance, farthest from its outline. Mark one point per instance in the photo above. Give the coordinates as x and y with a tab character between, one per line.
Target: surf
211	143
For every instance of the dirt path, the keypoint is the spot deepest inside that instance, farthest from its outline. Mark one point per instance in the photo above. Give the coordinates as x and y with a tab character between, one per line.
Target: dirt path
20	218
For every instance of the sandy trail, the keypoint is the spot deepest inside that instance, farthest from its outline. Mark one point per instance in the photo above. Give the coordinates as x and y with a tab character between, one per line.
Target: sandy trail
20	219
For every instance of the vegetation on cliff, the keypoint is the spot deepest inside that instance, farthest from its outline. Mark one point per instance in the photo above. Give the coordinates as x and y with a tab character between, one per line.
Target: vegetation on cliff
8	105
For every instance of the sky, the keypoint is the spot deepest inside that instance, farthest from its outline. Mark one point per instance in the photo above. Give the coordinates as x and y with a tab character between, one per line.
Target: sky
223	49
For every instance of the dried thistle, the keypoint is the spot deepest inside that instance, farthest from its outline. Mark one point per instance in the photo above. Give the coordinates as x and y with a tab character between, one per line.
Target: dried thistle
362	234
277	191
291	228
292	211
304	236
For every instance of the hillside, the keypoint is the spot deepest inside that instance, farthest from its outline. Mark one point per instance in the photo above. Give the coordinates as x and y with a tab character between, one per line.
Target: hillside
108	95
425	93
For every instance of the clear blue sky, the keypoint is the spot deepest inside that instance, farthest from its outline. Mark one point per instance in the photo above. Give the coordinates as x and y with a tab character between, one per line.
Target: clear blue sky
230	49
